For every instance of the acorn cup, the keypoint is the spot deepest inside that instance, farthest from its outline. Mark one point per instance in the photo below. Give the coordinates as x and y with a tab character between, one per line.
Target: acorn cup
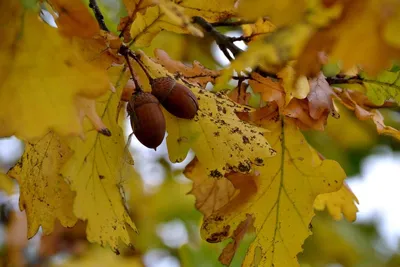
147	119
176	98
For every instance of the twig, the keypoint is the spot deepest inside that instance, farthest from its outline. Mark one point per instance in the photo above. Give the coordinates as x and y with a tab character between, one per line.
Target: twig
99	16
343	80
222	41
234	23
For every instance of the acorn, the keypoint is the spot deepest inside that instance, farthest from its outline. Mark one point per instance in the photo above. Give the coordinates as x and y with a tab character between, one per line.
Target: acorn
176	98
147	119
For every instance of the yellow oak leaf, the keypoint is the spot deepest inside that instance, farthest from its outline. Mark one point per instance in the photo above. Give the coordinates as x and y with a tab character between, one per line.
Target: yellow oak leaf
6	184
341	39
258	29
279	12
222	142
174	17
342	201
294	86
40	77
282	204
95	171
44	195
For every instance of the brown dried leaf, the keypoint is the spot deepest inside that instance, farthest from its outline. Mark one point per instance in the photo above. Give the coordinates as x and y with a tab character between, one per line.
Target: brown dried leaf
269	89
239	95
358	102
229	251
320	98
299	110
196	74
211	194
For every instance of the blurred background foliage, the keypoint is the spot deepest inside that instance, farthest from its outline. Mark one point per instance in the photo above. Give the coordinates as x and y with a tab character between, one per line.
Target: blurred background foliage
164	213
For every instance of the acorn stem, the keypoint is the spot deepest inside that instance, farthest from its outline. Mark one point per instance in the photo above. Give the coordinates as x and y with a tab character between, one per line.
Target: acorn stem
137	85
135	57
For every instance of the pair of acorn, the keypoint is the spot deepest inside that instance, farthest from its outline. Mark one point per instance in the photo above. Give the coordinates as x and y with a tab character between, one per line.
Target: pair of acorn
147	119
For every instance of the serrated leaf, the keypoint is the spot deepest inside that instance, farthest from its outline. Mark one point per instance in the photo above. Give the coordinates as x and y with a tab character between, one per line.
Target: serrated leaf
40	76
95	171
282	204
342	201
195	74
211	194
382	87
356	101
221	141
44	196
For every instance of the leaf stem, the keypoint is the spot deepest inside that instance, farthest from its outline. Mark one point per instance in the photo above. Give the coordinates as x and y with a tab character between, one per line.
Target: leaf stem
99	16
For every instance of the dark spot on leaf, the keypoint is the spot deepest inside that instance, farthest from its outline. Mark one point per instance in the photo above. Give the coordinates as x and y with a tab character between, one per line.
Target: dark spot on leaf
101	176
244	167
245	140
215	174
272	151
259	161
310	227
218	237
216	133
68	63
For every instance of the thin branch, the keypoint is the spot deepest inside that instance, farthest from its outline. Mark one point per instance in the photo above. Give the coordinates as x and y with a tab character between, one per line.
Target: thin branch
99	16
343	80
222	41
234	23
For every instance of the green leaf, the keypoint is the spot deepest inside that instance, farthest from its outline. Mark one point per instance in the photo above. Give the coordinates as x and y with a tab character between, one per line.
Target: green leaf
383	87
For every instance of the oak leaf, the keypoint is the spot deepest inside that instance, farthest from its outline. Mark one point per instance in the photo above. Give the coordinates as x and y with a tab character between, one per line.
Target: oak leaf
270	90
25	93
349	28
44	195
211	194
257	30
195	74
357	102
243	144
384	86
342	201
282	204
95	171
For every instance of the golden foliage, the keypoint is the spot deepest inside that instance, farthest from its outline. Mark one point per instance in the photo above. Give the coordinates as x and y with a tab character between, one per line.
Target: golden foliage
95	171
44	196
23	87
